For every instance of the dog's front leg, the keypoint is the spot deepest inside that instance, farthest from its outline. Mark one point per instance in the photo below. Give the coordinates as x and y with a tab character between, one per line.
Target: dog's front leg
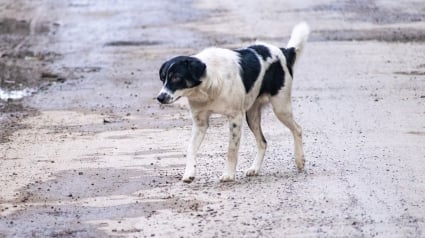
235	124
199	128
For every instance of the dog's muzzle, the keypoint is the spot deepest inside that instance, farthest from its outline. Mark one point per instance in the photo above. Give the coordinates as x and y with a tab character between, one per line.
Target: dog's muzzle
164	98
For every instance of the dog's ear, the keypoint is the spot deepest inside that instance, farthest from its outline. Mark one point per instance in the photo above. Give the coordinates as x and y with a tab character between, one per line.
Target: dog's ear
163	71
196	69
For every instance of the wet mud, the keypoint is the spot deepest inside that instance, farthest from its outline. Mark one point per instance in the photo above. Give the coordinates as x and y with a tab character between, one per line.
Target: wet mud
23	70
371	11
22	66
387	35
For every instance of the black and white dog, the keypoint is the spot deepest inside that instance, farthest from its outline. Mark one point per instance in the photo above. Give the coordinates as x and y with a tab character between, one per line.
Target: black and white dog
236	83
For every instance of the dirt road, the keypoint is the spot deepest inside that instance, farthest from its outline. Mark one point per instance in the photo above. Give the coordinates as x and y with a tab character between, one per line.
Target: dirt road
91	154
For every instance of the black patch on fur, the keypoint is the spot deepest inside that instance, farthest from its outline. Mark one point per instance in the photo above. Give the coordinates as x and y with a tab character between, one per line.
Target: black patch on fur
274	79
182	72
261	50
250	67
249	125
290	55
166	66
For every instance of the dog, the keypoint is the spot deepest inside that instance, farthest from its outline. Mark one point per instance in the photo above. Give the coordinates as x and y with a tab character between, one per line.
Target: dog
237	84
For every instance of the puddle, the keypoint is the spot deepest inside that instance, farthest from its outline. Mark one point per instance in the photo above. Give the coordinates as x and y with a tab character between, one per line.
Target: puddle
23	70
15	94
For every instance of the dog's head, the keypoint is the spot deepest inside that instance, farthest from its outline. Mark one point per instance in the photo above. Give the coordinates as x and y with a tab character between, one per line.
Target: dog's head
178	75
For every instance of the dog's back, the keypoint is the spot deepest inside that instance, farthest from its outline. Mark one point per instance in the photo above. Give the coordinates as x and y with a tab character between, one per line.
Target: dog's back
250	73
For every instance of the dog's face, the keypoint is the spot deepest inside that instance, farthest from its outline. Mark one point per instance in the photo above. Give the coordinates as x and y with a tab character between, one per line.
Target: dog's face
178	75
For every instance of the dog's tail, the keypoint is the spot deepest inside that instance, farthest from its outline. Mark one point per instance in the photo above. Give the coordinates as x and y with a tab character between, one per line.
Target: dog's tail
299	37
296	43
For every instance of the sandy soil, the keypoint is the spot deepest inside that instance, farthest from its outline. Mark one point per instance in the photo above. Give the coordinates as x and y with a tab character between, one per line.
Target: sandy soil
91	154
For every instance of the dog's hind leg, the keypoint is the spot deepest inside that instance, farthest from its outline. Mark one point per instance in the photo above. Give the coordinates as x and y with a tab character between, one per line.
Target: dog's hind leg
235	124
282	107
199	128
253	118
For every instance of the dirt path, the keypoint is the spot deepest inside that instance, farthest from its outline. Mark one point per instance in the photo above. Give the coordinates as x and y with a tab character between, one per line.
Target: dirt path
99	157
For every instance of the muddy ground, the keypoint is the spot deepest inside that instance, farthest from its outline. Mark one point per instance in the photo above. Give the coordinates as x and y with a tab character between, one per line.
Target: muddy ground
89	153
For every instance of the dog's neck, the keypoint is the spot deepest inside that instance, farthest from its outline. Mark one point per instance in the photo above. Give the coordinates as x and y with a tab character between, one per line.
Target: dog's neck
207	91
198	95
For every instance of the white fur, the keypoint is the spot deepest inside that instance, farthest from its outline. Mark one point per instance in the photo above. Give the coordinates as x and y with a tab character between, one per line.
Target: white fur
299	37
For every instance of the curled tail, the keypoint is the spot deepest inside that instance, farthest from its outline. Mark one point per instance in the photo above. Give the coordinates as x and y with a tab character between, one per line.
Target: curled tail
296	44
299	37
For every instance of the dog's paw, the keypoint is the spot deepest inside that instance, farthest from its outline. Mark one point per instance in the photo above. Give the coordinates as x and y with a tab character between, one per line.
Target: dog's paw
300	164
227	178
189	174
252	172
188	179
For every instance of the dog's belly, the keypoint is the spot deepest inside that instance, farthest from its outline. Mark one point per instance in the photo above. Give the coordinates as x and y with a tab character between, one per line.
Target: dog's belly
229	106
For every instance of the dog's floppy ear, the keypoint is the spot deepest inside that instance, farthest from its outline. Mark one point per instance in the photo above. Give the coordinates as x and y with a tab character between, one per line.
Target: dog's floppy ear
196	69
163	71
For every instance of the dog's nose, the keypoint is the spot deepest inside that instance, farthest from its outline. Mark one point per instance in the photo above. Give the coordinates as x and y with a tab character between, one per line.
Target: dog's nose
162	97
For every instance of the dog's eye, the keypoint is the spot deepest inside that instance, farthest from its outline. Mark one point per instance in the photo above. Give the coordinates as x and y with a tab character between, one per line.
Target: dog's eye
175	79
